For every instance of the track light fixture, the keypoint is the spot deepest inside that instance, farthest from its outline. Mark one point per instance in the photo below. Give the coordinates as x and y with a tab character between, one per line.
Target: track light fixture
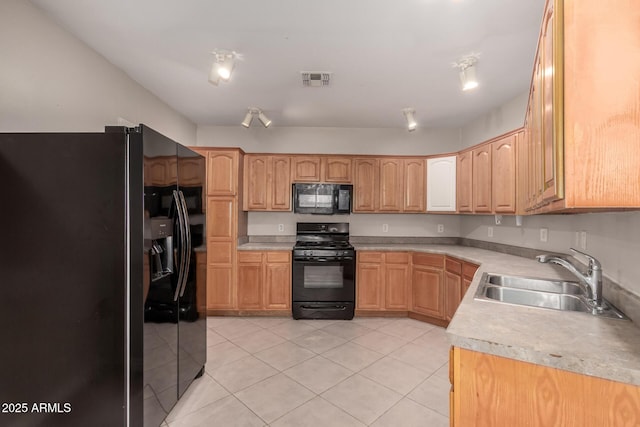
252	111
409	115
467	67
223	66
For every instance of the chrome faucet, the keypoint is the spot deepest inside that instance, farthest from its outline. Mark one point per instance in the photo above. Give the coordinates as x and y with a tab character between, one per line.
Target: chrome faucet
592	278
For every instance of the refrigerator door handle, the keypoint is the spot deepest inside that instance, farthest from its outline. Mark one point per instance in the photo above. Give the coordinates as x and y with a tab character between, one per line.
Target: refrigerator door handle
176	198
188	248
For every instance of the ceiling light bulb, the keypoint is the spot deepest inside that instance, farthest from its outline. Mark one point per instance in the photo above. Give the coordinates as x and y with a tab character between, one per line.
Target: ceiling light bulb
264	119
411	120
468	78
226	67
248	118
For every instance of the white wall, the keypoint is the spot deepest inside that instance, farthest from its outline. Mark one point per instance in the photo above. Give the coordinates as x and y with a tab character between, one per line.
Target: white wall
613	238
500	120
404	225
381	141
52	82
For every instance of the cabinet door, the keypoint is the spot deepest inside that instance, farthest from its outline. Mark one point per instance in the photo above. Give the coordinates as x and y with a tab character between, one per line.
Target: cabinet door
503	171
391	185
337	169
452	288
220	289
427	291
551	134
441	184
256	174
415	193
396	277
464	182
305	169
222	173
221	218
250	286
365	192
277	284
280	184
370	278
482	179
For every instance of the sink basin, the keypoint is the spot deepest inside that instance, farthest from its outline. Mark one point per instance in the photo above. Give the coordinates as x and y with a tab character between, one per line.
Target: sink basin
542	293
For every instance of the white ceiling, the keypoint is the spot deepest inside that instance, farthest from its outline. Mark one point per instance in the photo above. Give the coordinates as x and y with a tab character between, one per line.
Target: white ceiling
384	55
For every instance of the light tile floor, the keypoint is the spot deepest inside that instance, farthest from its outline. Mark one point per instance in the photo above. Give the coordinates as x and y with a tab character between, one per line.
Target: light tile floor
266	371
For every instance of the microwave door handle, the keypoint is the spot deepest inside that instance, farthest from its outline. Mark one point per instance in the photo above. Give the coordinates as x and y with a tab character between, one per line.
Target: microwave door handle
187	247
176	198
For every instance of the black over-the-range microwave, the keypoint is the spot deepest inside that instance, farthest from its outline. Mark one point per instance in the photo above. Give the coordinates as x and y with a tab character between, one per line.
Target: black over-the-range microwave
322	199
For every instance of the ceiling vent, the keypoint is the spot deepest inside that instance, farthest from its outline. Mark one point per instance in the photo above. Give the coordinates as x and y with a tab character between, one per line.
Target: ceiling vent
315	78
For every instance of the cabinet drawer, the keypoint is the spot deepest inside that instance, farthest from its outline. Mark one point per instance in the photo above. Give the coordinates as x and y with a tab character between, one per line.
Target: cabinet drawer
468	270
429	259
370	256
280	256
453	265
396	257
249	257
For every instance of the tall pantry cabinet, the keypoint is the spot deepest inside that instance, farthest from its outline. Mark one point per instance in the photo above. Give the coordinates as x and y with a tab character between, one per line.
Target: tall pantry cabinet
226	222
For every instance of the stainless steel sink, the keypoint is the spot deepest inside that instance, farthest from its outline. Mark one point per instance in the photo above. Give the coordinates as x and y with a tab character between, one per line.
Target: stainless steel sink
542	293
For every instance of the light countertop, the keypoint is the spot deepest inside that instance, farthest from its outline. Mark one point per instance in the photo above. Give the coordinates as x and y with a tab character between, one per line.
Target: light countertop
576	342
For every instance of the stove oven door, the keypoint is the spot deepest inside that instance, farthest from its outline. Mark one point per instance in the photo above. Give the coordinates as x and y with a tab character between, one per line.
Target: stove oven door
323	288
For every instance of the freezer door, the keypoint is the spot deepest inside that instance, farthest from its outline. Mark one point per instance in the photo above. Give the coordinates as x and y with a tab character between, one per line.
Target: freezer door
192	348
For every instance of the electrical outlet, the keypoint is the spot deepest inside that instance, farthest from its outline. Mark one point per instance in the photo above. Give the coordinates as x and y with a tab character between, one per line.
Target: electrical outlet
385	228
544	234
583	240
280	228
490	231
440	228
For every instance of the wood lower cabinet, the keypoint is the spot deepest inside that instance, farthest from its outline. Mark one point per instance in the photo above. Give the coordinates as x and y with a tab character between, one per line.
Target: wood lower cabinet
427	285
383	281
201	282
452	286
494	391
264	280
468	271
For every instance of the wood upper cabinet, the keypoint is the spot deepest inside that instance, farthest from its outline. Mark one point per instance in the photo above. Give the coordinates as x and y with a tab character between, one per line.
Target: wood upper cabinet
279	192
584	125
264	280
490	390
482	202
391	185
503	172
222	172
441	184
337	169
464	181
415	193
366	187
383	280
305	169
267	183
427	285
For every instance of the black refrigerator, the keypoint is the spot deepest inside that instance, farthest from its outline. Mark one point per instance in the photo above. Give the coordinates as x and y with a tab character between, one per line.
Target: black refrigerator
102	312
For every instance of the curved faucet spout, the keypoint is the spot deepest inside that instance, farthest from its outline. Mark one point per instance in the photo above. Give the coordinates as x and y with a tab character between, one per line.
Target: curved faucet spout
592	279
